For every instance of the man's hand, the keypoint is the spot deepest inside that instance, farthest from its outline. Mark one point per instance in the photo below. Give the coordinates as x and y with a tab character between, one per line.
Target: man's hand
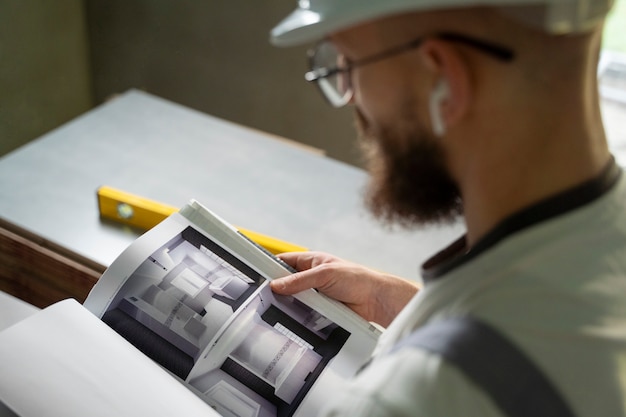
375	296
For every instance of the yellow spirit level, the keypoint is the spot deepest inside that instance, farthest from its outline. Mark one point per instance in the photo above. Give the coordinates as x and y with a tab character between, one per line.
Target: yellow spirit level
144	213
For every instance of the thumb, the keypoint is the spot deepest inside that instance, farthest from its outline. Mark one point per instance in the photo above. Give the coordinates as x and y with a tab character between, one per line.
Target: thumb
294	283
279	285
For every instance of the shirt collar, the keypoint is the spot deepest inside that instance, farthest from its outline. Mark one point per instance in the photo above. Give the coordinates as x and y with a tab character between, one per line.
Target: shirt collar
457	254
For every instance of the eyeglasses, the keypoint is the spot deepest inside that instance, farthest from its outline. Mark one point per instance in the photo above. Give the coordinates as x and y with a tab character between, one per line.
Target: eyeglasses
331	70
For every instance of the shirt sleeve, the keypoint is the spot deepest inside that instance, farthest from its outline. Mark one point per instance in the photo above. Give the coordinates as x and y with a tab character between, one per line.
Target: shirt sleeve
414	383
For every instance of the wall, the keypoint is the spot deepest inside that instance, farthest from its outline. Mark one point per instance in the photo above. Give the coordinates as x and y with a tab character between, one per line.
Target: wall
44	71
215	56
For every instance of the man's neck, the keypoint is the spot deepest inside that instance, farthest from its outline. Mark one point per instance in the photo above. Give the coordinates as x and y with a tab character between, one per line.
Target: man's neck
505	181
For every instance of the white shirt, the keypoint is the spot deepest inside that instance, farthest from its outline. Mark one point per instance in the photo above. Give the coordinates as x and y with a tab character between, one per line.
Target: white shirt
557	288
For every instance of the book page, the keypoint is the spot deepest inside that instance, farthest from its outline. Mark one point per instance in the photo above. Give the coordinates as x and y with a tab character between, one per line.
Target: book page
75	366
193	294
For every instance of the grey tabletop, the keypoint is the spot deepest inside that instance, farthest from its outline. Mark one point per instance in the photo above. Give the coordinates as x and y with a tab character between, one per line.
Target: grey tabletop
166	152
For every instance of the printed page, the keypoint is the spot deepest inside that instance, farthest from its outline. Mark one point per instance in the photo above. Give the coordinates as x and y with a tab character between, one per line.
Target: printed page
193	294
64	362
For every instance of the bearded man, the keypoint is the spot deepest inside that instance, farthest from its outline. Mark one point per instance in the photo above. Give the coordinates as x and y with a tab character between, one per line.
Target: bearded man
487	110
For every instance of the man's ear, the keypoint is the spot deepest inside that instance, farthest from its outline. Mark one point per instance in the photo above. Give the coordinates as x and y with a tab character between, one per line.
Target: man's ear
450	85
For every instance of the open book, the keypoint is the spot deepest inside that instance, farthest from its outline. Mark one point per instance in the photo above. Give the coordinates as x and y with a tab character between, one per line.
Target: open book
192	294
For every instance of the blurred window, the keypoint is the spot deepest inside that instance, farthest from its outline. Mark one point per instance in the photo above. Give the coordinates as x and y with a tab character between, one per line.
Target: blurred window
612	76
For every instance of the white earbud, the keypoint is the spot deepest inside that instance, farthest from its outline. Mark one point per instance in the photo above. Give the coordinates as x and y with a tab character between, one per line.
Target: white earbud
439	93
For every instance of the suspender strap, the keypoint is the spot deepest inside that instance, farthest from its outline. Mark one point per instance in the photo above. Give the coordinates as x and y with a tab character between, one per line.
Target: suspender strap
493	363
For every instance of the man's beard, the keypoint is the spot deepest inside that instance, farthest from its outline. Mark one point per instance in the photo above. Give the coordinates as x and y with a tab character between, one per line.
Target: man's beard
410	184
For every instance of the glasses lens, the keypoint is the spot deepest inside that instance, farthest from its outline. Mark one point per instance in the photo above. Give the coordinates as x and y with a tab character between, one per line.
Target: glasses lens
333	75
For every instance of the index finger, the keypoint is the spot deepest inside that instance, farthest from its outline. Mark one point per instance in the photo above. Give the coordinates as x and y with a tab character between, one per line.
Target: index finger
300	261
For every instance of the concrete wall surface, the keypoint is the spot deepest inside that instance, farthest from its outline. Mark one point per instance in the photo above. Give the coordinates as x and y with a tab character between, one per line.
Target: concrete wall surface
215	56
45	77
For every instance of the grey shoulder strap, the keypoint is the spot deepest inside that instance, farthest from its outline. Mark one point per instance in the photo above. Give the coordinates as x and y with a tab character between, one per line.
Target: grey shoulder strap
493	363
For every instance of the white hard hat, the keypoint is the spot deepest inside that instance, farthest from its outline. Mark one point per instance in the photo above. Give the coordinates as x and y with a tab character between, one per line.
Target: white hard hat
314	19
